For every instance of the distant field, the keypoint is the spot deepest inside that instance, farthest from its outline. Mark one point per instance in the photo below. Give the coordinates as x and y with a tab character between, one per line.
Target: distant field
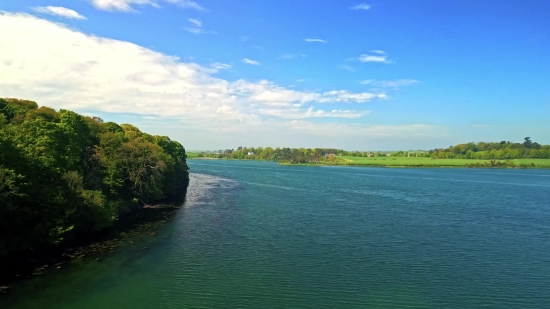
192	154
405	161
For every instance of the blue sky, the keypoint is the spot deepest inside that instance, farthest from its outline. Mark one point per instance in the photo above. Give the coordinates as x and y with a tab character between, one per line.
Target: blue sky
348	74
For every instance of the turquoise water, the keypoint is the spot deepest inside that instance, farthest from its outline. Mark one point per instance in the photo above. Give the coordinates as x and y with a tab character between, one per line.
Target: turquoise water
259	235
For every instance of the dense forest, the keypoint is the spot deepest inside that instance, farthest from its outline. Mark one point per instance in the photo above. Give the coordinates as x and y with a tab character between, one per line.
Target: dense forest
63	174
485	151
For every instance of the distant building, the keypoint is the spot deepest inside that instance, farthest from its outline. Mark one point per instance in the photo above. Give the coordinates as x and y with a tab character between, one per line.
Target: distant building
250	153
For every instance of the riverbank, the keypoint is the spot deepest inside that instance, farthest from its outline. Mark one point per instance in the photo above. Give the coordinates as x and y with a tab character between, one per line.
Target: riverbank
404	162
130	230
136	232
415	166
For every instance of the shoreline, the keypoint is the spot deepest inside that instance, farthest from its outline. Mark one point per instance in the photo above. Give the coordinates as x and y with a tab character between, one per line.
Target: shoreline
474	165
418	166
130	230
133	231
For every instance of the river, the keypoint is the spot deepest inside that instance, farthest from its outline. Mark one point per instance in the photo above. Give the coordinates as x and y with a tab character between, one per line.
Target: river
260	235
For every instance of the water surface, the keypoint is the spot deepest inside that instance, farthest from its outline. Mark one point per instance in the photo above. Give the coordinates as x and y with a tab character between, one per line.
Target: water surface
259	235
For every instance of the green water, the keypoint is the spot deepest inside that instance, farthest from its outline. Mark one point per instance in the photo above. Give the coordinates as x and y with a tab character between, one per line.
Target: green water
259	235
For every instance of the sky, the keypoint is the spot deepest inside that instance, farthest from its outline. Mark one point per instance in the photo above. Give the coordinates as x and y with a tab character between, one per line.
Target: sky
219	74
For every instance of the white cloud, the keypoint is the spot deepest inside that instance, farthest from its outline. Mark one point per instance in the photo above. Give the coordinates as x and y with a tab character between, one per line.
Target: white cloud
375	56
82	72
59	11
377	51
371	58
248	61
361	130
345	96
390	83
244	38
187	4
315	41
311	112
362	6
301	80
346	67
195	22
197	27
220	66
127	5
257	47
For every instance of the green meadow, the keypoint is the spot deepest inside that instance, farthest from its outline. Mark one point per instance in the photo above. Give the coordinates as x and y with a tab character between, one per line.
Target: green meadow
429	162
192	155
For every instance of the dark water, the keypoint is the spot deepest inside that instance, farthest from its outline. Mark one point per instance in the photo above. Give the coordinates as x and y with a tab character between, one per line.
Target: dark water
259	235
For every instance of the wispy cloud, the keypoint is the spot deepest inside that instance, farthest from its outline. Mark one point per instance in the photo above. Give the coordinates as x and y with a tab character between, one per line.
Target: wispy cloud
59	11
127	5
195	22
200	31
187	4
257	47
315	41
301	80
362	6
377	51
244	38
197	27
346	67
248	61
220	66
375	56
390	83
311	112
291	56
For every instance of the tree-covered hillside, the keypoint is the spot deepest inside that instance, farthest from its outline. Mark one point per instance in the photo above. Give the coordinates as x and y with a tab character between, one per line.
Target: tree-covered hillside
63	174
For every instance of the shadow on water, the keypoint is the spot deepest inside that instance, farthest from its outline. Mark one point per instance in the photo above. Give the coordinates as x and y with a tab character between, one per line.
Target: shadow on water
143	221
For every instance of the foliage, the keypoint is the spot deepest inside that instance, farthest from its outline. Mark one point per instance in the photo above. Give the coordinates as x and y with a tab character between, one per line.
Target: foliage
470	151
63	174
503	150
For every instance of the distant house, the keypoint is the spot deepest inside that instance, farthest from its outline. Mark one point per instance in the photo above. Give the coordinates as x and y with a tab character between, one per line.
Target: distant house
388	154
250	153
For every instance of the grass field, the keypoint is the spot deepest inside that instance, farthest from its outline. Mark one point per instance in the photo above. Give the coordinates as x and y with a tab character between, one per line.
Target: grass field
192	154
405	161
414	162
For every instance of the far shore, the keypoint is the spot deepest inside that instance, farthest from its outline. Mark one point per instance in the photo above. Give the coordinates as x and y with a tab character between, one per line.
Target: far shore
485	165
416	166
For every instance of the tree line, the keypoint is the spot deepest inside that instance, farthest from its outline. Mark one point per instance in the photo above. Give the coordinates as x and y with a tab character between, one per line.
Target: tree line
483	151
496	150
63	174
291	155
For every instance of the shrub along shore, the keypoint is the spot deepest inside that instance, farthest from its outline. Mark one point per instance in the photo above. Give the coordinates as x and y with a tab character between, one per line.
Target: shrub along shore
64	176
